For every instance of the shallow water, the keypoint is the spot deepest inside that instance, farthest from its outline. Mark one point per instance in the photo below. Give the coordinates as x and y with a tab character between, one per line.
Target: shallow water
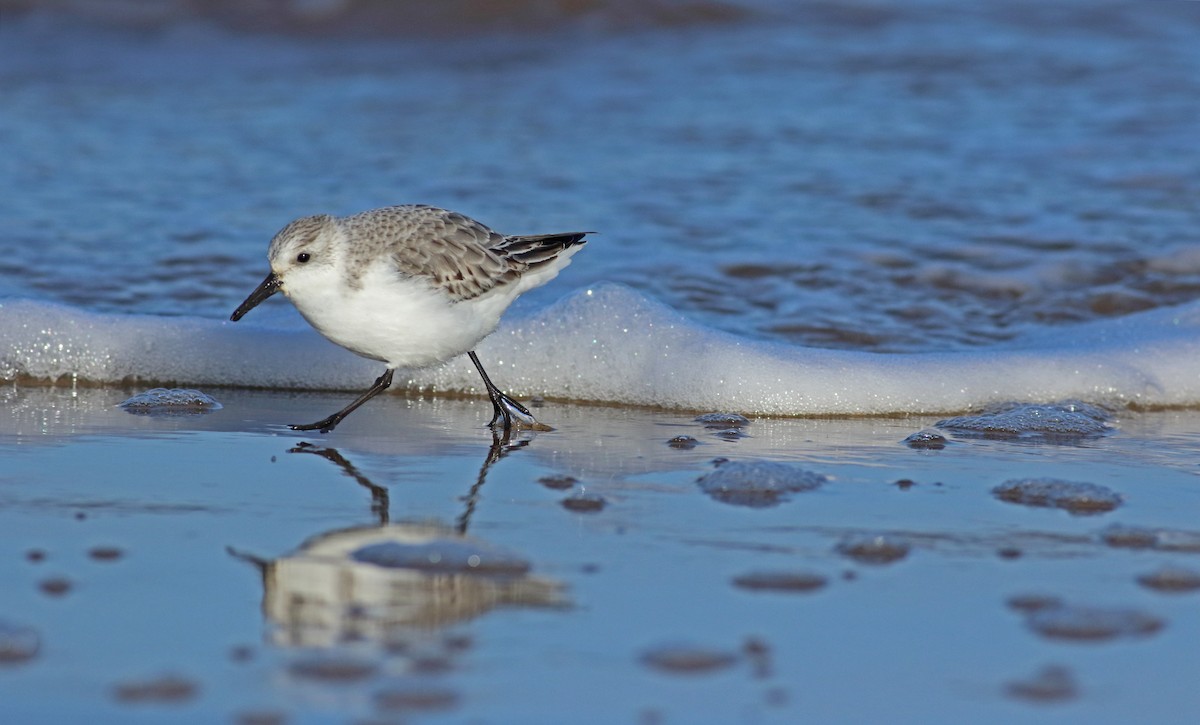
230	584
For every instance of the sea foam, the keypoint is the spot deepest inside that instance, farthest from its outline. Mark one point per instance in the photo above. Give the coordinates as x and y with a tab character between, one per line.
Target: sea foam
610	343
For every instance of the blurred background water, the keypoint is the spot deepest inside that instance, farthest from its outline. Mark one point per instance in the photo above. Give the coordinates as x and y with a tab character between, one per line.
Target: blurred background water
865	175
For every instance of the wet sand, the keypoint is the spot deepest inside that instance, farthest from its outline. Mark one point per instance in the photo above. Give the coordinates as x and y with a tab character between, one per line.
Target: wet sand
220	568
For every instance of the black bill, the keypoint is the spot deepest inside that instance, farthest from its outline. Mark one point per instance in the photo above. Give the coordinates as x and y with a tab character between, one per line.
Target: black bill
269	286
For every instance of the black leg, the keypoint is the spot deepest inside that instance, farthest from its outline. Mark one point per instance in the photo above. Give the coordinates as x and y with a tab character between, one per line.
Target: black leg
328	424
500	401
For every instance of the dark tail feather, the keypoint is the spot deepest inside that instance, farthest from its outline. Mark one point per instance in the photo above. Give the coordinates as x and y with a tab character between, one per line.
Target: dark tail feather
538	249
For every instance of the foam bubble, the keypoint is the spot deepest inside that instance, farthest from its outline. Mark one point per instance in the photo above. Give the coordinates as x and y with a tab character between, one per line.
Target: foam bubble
613	344
1052	683
18	643
584	503
926	440
171	401
1123	536
874	548
1082	623
687	659
1065	421
780	581
1171	579
1076	497
757	484
165	689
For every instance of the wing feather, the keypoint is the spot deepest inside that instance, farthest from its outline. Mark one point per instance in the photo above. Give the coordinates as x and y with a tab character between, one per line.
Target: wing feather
457	254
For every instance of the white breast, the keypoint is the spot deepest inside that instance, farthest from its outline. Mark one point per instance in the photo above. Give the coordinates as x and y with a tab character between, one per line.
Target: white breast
403	322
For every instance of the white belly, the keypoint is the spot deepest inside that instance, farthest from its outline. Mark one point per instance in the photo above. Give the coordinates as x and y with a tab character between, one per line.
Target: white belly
401	322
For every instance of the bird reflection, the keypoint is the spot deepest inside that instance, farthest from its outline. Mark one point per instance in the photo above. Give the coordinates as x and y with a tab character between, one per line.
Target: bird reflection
502	445
381	583
380	502
393	583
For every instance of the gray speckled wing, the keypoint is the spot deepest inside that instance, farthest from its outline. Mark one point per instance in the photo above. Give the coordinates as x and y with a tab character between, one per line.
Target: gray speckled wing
446	248
457	254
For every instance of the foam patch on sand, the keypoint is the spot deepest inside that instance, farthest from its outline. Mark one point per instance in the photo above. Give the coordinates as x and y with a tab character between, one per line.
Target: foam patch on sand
613	344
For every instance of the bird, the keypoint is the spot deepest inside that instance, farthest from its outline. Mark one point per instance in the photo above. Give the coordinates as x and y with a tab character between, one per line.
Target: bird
410	286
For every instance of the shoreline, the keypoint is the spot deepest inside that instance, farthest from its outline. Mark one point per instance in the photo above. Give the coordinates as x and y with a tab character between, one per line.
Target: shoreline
611	563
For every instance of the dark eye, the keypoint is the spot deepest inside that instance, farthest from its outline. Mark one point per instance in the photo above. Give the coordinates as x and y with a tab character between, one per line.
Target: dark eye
303	257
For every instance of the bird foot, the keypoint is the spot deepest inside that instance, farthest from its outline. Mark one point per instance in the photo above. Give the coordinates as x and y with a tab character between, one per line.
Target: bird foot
324	426
510	415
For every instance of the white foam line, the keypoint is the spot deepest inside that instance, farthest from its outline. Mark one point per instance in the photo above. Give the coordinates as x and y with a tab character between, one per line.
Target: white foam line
613	344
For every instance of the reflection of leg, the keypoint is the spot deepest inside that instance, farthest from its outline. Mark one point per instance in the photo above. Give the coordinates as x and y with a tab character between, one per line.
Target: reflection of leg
381	384
500	401
501	446
380	502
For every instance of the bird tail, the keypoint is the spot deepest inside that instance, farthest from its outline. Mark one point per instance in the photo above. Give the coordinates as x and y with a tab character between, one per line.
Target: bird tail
541	249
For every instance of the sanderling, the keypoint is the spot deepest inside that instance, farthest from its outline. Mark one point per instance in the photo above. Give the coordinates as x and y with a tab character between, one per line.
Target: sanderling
410	286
